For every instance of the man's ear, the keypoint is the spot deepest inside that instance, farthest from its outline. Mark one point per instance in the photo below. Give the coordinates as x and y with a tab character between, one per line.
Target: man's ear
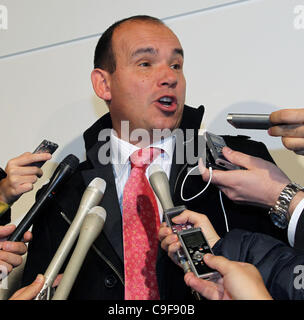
101	84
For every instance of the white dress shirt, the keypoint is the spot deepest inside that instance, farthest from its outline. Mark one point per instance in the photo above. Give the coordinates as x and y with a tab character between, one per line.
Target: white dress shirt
120	159
292	226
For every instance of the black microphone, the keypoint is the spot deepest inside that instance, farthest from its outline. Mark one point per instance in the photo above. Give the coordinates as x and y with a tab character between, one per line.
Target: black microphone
64	171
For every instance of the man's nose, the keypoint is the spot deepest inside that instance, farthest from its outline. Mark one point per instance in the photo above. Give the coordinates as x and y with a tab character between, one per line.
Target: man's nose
167	77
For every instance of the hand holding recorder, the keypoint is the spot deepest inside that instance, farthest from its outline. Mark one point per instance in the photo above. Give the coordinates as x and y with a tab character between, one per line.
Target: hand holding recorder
23	171
240	281
21	176
169	239
260	184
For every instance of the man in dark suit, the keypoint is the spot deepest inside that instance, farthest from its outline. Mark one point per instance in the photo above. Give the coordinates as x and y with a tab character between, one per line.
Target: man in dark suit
138	71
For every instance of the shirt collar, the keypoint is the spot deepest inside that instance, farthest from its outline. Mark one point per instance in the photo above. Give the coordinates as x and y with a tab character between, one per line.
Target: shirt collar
121	151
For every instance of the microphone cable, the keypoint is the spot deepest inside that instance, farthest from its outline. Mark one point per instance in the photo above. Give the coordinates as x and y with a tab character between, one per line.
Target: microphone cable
202	191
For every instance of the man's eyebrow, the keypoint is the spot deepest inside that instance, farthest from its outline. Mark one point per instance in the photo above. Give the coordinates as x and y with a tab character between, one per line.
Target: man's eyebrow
179	51
143	51
153	51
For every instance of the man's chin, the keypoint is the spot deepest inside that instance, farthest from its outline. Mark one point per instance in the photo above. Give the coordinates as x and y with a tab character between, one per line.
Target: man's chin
166	122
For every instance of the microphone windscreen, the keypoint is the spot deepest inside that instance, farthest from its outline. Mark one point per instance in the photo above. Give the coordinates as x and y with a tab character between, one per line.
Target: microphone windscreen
72	161
99	211
160	185
99	184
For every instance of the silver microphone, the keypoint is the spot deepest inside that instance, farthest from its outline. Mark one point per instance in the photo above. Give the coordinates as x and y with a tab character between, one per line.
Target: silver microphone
91	198
160	184
90	229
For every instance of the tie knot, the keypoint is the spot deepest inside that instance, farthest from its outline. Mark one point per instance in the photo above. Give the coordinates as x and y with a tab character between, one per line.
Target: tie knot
143	157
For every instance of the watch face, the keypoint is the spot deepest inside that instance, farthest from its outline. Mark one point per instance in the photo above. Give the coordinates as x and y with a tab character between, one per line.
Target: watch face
279	220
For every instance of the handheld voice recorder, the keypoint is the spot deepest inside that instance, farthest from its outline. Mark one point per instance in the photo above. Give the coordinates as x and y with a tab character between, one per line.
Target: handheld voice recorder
44	146
195	246
214	154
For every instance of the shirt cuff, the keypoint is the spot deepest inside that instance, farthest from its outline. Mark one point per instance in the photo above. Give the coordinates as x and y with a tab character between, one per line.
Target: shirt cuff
294	221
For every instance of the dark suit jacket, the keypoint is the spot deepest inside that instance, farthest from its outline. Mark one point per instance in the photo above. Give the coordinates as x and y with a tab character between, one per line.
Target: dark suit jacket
100	276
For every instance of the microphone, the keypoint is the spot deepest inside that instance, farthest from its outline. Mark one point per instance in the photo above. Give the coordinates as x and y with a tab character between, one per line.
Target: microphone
91	197
160	184
64	171
90	229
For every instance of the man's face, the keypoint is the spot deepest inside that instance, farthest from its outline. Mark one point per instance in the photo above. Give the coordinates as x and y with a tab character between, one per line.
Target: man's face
148	86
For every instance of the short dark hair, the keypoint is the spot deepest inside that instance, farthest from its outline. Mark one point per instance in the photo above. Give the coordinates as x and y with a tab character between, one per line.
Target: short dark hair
104	57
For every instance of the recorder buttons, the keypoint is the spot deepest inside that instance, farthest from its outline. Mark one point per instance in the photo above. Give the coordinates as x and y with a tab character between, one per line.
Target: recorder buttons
198	256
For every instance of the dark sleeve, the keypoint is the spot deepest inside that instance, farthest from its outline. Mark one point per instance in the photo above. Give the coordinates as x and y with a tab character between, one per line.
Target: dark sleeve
276	261
5	218
246	145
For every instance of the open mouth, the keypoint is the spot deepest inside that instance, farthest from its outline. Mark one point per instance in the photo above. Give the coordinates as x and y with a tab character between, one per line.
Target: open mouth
167	103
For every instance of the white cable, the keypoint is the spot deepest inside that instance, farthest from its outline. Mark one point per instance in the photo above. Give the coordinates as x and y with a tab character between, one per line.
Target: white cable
225	216
207	185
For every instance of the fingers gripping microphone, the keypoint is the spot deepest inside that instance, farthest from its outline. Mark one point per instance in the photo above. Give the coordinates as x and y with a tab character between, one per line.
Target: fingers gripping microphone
64	170
90	229
91	198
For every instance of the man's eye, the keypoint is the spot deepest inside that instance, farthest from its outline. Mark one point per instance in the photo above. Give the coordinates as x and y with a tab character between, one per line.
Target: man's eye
176	66
144	64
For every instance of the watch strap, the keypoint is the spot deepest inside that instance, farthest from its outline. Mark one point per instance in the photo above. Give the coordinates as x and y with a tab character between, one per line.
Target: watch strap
279	212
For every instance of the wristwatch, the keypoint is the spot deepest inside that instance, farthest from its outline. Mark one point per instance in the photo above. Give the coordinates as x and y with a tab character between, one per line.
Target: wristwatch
279	213
2	174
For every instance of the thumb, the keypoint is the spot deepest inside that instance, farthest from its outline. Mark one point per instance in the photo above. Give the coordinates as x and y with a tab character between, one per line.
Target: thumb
219	263
238	158
29	292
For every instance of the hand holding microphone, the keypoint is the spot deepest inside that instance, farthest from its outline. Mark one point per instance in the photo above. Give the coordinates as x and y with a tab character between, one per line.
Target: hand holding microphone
91	198
64	171
90	229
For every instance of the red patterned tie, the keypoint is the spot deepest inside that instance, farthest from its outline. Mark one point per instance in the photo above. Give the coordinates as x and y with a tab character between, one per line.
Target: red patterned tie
140	229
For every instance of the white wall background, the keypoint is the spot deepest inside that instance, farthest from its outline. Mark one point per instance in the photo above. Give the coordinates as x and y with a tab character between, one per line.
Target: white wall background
239	56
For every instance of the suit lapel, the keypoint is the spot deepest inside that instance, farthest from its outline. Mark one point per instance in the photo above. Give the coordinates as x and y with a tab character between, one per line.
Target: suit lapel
113	226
